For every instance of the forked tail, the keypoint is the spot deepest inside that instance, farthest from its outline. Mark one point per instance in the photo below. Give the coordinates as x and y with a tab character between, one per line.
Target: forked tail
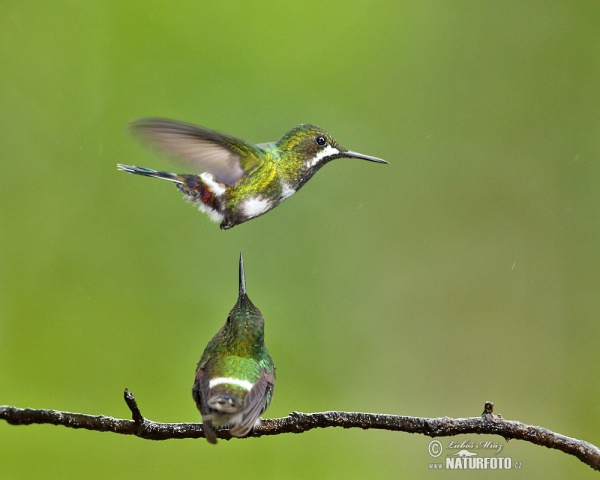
147	172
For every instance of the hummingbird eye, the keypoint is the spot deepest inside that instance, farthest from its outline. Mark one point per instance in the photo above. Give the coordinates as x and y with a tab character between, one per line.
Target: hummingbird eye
321	140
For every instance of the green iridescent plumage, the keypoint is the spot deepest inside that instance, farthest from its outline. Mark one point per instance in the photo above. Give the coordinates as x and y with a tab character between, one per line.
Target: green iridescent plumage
235	376
240	181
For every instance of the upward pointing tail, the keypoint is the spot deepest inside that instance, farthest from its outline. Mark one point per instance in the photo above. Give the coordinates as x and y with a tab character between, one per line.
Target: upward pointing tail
147	172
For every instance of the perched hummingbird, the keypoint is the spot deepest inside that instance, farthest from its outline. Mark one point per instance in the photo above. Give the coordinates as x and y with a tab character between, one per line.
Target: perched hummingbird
235	377
240	181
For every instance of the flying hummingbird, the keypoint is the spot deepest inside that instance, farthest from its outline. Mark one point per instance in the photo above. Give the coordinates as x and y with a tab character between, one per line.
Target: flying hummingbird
240	181
235	376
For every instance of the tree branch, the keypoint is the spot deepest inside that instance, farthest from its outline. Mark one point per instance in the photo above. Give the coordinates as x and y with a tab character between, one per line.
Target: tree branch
297	422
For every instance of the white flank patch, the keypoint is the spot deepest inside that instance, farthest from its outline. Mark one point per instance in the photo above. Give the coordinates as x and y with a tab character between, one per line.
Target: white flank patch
213	214
326	152
245	384
211	183
255	206
286	191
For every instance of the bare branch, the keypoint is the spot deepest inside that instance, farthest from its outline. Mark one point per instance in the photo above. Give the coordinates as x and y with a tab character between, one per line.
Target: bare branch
297	422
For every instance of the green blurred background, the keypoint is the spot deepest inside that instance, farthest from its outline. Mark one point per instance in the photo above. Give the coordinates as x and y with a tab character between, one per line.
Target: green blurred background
467	270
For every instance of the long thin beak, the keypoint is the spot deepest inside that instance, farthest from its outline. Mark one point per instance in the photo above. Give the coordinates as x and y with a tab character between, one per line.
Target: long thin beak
350	154
242	276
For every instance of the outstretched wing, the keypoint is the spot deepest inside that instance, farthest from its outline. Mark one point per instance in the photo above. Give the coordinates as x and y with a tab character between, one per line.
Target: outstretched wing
228	158
200	392
255	403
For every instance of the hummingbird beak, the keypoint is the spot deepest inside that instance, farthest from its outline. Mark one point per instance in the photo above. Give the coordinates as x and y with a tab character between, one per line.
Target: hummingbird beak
242	276
351	154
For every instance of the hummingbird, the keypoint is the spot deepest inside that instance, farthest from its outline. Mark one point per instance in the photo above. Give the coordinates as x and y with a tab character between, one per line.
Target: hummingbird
235	376
238	181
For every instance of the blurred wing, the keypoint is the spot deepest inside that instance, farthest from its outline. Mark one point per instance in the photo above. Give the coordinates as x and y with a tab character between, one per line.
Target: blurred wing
200	149
254	404
201	391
